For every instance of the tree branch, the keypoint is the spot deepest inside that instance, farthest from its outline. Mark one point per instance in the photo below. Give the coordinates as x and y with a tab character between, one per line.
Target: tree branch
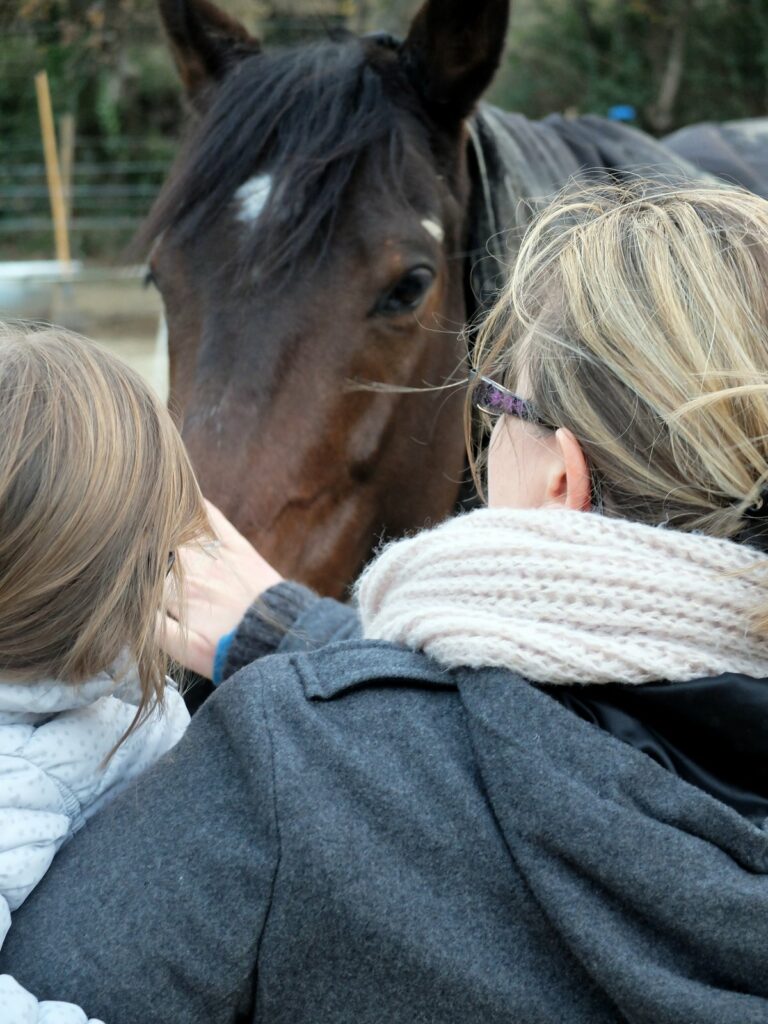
660	112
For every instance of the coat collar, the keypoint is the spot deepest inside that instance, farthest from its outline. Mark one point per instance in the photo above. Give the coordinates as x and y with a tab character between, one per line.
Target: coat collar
50	696
711	732
343	666
42	698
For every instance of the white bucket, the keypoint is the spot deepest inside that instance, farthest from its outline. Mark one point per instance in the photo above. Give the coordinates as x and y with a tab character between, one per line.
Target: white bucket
27	286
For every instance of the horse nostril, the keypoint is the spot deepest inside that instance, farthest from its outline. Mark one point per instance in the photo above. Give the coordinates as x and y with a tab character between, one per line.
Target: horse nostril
362	472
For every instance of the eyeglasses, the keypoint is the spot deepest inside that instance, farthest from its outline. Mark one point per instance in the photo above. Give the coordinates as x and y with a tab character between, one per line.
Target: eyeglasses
495	400
171	562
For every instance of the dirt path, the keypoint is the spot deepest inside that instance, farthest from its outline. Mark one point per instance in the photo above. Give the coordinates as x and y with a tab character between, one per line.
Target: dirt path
113	309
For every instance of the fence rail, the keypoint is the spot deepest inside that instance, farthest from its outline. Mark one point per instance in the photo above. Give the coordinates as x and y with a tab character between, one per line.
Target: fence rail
42	225
109	195
124	168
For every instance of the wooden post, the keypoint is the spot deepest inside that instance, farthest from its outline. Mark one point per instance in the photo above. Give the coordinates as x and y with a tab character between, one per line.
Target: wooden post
67	141
52	171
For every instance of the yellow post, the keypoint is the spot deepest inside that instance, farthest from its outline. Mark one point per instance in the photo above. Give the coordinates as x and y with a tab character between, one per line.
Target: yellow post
53	174
67	146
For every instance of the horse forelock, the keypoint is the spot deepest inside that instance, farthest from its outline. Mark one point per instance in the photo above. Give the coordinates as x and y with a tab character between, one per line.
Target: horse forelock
278	147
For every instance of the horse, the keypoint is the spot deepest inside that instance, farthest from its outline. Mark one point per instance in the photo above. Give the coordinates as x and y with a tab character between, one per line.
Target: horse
340	211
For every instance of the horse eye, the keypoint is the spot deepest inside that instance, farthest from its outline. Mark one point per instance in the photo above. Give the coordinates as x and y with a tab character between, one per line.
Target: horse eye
407	294
149	279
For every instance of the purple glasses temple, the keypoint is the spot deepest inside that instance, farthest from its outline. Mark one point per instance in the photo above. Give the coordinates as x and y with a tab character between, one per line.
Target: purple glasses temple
496	400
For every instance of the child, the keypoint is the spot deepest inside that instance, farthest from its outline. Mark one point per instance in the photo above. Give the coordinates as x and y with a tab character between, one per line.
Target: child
96	495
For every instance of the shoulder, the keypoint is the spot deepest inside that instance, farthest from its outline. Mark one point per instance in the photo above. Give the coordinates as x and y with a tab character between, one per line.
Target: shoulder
66	747
349	709
67	754
355	684
336	671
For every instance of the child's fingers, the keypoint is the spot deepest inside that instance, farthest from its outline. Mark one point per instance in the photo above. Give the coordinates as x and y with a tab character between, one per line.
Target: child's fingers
172	604
220	584
186	647
222	527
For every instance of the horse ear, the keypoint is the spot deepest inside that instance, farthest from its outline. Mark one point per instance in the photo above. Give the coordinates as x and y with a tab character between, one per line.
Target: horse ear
452	52
205	42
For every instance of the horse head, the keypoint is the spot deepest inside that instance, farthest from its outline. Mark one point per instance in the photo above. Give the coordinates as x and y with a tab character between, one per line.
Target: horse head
309	248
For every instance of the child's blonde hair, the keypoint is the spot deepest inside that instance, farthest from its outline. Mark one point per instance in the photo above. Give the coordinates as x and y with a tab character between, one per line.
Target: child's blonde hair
639	316
96	492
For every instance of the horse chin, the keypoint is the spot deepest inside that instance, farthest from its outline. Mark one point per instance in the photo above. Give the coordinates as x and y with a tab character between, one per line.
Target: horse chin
322	530
322	541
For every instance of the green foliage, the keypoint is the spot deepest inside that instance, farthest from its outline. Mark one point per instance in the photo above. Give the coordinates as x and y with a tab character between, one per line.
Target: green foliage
108	66
106	62
587	55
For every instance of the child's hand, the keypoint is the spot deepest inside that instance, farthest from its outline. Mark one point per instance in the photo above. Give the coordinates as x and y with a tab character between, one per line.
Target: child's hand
222	579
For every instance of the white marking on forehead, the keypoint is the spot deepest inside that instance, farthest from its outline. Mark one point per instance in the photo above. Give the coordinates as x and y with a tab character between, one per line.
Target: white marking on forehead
252	197
434	228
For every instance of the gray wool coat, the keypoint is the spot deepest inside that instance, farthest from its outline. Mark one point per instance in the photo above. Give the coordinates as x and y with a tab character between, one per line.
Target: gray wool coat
349	834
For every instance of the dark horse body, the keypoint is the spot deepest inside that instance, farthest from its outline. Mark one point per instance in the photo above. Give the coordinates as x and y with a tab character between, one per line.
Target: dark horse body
334	222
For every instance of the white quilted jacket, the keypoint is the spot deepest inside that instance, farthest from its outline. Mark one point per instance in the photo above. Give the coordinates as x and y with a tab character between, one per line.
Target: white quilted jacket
53	740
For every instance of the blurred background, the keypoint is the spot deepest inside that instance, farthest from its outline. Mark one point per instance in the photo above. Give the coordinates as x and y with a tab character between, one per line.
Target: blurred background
117	115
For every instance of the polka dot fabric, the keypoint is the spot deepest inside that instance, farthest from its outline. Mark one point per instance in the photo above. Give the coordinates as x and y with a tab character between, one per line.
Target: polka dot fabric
53	742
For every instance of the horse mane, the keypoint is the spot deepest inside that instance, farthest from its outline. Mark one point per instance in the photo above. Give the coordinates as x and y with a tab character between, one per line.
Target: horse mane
306	116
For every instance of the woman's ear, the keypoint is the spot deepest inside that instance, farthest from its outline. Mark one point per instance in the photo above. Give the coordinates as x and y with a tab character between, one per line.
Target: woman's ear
570	486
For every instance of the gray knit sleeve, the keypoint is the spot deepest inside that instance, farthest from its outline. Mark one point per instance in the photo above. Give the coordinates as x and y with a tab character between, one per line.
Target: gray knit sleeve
266	623
289	617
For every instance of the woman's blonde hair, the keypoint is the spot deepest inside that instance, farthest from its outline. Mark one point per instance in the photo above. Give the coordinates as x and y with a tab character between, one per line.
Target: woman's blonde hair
96	492
639	315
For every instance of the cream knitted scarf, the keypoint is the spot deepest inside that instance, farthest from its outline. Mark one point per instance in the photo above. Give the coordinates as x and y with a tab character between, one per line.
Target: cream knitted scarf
570	597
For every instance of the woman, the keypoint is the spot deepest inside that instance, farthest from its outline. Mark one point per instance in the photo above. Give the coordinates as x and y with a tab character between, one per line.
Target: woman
535	789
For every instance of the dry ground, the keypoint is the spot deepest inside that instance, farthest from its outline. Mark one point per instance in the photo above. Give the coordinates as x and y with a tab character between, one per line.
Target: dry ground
115	311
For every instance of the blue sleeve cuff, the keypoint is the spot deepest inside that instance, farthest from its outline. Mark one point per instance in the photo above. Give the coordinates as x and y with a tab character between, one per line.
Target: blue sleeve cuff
220	656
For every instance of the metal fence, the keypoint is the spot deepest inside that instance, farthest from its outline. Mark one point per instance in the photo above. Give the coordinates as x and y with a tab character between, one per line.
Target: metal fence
110	191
